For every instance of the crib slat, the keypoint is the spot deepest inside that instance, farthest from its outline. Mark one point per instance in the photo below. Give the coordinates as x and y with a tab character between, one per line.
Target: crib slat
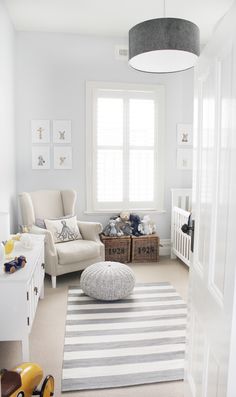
181	241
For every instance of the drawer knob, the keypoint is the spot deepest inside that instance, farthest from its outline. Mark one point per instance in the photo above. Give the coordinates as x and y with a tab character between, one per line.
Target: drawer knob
36	290
43	266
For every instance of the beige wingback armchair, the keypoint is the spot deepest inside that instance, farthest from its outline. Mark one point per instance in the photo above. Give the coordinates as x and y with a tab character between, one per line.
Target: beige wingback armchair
68	256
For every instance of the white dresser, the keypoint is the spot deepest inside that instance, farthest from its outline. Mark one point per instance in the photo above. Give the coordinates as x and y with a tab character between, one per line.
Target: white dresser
19	295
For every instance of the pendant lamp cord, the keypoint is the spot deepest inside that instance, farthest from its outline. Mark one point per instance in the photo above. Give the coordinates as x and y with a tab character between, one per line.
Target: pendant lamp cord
164	6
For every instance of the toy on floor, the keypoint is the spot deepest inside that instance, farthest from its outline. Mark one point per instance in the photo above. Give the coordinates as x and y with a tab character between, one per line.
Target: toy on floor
23	380
15	264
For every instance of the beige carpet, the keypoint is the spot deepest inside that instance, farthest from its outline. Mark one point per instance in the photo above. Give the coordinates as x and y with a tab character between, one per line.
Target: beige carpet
46	339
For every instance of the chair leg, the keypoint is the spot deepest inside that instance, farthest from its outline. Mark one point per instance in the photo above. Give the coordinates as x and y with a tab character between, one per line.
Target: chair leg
54	281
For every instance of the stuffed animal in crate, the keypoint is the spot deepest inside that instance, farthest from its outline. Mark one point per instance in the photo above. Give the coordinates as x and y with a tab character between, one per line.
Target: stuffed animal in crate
119	227
125	224
110	228
135	222
126	229
113	228
124	216
147	226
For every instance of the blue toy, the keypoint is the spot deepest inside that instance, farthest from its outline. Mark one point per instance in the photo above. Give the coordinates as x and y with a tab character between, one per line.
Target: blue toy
15	264
135	222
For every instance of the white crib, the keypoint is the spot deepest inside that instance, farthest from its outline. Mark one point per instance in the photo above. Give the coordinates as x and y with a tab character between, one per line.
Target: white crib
181	209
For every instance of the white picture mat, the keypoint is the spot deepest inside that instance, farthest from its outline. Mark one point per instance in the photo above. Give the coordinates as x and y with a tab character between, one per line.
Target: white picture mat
40	130
61	131
62	157
41	157
184	134
184	159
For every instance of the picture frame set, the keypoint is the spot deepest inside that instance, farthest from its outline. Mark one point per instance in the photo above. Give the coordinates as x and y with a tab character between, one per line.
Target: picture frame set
41	140
184	146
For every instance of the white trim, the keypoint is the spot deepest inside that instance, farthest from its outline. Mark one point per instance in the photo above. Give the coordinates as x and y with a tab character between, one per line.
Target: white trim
138	211
189	386
91	91
165	247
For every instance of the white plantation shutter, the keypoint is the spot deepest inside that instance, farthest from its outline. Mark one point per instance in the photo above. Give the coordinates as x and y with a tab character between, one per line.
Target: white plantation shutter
141	176
109	121
124	147
109	175
142	122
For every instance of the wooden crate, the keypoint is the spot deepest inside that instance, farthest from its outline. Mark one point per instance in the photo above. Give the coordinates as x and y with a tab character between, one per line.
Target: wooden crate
117	249
145	248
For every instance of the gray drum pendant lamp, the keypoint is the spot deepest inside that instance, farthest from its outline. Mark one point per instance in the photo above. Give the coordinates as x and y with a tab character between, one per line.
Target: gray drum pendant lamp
164	45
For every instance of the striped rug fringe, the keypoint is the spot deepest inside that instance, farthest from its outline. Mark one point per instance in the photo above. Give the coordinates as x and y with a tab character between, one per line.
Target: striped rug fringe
137	340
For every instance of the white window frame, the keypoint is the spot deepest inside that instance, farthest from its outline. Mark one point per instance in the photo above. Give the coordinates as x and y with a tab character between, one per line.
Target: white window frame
92	88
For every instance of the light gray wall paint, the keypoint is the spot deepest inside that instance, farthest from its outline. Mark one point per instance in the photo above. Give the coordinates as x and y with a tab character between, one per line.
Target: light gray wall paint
52	70
7	117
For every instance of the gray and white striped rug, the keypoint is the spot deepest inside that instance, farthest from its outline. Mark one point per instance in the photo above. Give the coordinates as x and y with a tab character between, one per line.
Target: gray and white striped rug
137	340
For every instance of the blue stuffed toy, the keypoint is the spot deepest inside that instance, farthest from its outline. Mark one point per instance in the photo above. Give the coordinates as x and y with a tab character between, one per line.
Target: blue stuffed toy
135	222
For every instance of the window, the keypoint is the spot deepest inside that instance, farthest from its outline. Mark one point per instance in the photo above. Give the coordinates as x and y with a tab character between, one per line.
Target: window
124	146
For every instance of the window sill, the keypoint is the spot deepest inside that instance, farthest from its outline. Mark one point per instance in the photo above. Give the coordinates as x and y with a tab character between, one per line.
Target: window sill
111	212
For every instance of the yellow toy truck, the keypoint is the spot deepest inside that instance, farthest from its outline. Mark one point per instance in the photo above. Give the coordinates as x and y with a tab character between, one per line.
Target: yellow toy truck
23	380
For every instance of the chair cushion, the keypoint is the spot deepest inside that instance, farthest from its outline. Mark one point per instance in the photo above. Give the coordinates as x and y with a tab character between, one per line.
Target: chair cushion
76	251
47	204
40	222
63	229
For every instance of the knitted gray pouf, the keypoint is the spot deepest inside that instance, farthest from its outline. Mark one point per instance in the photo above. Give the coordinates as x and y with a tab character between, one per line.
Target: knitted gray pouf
107	281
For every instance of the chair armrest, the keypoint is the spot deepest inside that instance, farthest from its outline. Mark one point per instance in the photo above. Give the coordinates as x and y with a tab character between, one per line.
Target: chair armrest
48	239
90	230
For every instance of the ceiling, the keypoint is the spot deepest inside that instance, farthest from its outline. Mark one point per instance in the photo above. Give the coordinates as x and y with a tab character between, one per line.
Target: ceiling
110	17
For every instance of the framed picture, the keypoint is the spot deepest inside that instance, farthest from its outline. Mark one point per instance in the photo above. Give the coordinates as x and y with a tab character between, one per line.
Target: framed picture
40	130
184	159
40	157
61	131
62	158
184	134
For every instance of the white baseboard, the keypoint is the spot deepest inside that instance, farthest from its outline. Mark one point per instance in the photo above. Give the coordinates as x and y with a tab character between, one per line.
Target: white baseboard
165	247
189	386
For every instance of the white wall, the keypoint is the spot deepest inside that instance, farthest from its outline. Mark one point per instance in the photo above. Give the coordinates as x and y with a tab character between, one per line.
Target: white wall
7	116
51	73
